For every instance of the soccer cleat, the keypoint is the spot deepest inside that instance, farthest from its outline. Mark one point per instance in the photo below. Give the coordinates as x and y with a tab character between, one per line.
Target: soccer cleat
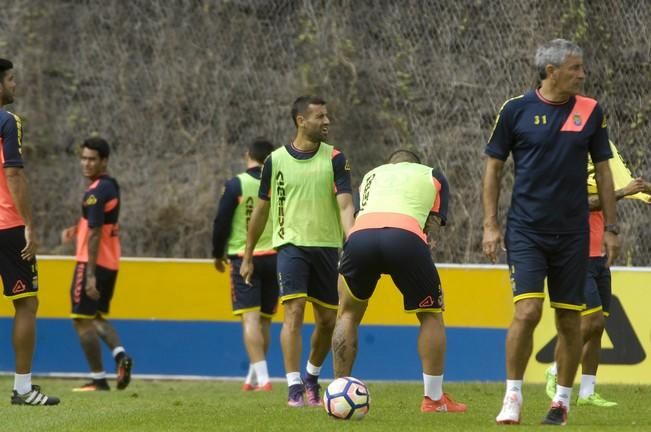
248	387
33	397
595	400
264	388
295	398
557	415
94	385
124	366
445	404
313	394
511	408
550	383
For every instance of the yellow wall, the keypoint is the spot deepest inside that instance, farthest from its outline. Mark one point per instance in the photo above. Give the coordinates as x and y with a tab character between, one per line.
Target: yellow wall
632	289
193	290
475	297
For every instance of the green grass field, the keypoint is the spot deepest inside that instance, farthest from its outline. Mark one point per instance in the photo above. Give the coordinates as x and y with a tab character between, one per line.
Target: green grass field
221	406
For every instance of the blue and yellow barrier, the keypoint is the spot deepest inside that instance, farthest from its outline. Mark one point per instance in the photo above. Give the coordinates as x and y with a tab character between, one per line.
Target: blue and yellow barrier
175	317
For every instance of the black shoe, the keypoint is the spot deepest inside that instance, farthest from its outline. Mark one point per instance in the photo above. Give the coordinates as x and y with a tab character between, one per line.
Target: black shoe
557	415
94	385
124	366
33	397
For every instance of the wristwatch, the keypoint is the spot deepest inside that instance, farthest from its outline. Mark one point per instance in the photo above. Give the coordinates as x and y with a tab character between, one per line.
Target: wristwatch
612	228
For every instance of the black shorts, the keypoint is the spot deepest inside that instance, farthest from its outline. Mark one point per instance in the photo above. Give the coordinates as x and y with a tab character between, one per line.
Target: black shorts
262	294
308	272
84	307
19	277
398	253
561	258
598	289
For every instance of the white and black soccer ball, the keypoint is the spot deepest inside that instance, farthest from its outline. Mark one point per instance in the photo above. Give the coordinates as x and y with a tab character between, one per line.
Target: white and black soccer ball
347	398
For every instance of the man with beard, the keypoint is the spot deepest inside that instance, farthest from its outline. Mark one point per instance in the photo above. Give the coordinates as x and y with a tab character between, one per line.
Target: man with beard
18	245
306	185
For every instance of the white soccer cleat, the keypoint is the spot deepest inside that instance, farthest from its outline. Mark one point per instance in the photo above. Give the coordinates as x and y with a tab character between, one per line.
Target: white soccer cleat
511	408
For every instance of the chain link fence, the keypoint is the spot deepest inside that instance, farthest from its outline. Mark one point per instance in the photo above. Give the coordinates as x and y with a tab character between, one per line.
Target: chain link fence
180	88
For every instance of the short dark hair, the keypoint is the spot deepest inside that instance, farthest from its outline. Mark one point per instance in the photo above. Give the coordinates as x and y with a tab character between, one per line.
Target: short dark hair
403	155
98	144
5	65
302	102
259	149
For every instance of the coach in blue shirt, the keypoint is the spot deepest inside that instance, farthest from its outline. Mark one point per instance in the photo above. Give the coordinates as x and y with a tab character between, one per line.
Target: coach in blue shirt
549	133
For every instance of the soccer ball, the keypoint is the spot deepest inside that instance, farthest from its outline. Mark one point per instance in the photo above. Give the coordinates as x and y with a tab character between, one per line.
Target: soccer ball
347	399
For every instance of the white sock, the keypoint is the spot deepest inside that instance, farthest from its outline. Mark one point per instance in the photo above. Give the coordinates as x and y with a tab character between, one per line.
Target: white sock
553	370
587	385
313	370
261	372
514	386
294	378
23	383
250	376
563	395
433	386
118	350
98	375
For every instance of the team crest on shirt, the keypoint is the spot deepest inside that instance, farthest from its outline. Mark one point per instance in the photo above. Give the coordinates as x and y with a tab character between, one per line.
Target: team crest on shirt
91	200
577	119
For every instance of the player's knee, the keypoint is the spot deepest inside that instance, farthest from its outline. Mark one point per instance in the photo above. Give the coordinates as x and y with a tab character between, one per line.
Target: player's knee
26	305
592	326
528	314
327	323
568	322
83	326
293	322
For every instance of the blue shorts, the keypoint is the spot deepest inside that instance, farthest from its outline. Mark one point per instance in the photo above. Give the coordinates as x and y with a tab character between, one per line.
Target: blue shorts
598	289
308	272
561	258
402	255
262	294
19	277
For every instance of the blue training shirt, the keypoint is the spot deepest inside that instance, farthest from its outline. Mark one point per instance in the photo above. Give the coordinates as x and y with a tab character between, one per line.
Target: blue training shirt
550	143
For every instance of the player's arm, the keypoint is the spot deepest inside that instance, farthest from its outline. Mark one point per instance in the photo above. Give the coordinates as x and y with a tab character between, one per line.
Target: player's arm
346	211
19	190
647	187
492	237
343	191
258	220
497	151
95	214
256	227
223	222
432	227
635	186
606	189
94	238
438	215
17	183
68	234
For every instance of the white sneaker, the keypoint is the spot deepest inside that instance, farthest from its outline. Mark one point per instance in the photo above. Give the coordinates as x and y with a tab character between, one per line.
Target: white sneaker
511	408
